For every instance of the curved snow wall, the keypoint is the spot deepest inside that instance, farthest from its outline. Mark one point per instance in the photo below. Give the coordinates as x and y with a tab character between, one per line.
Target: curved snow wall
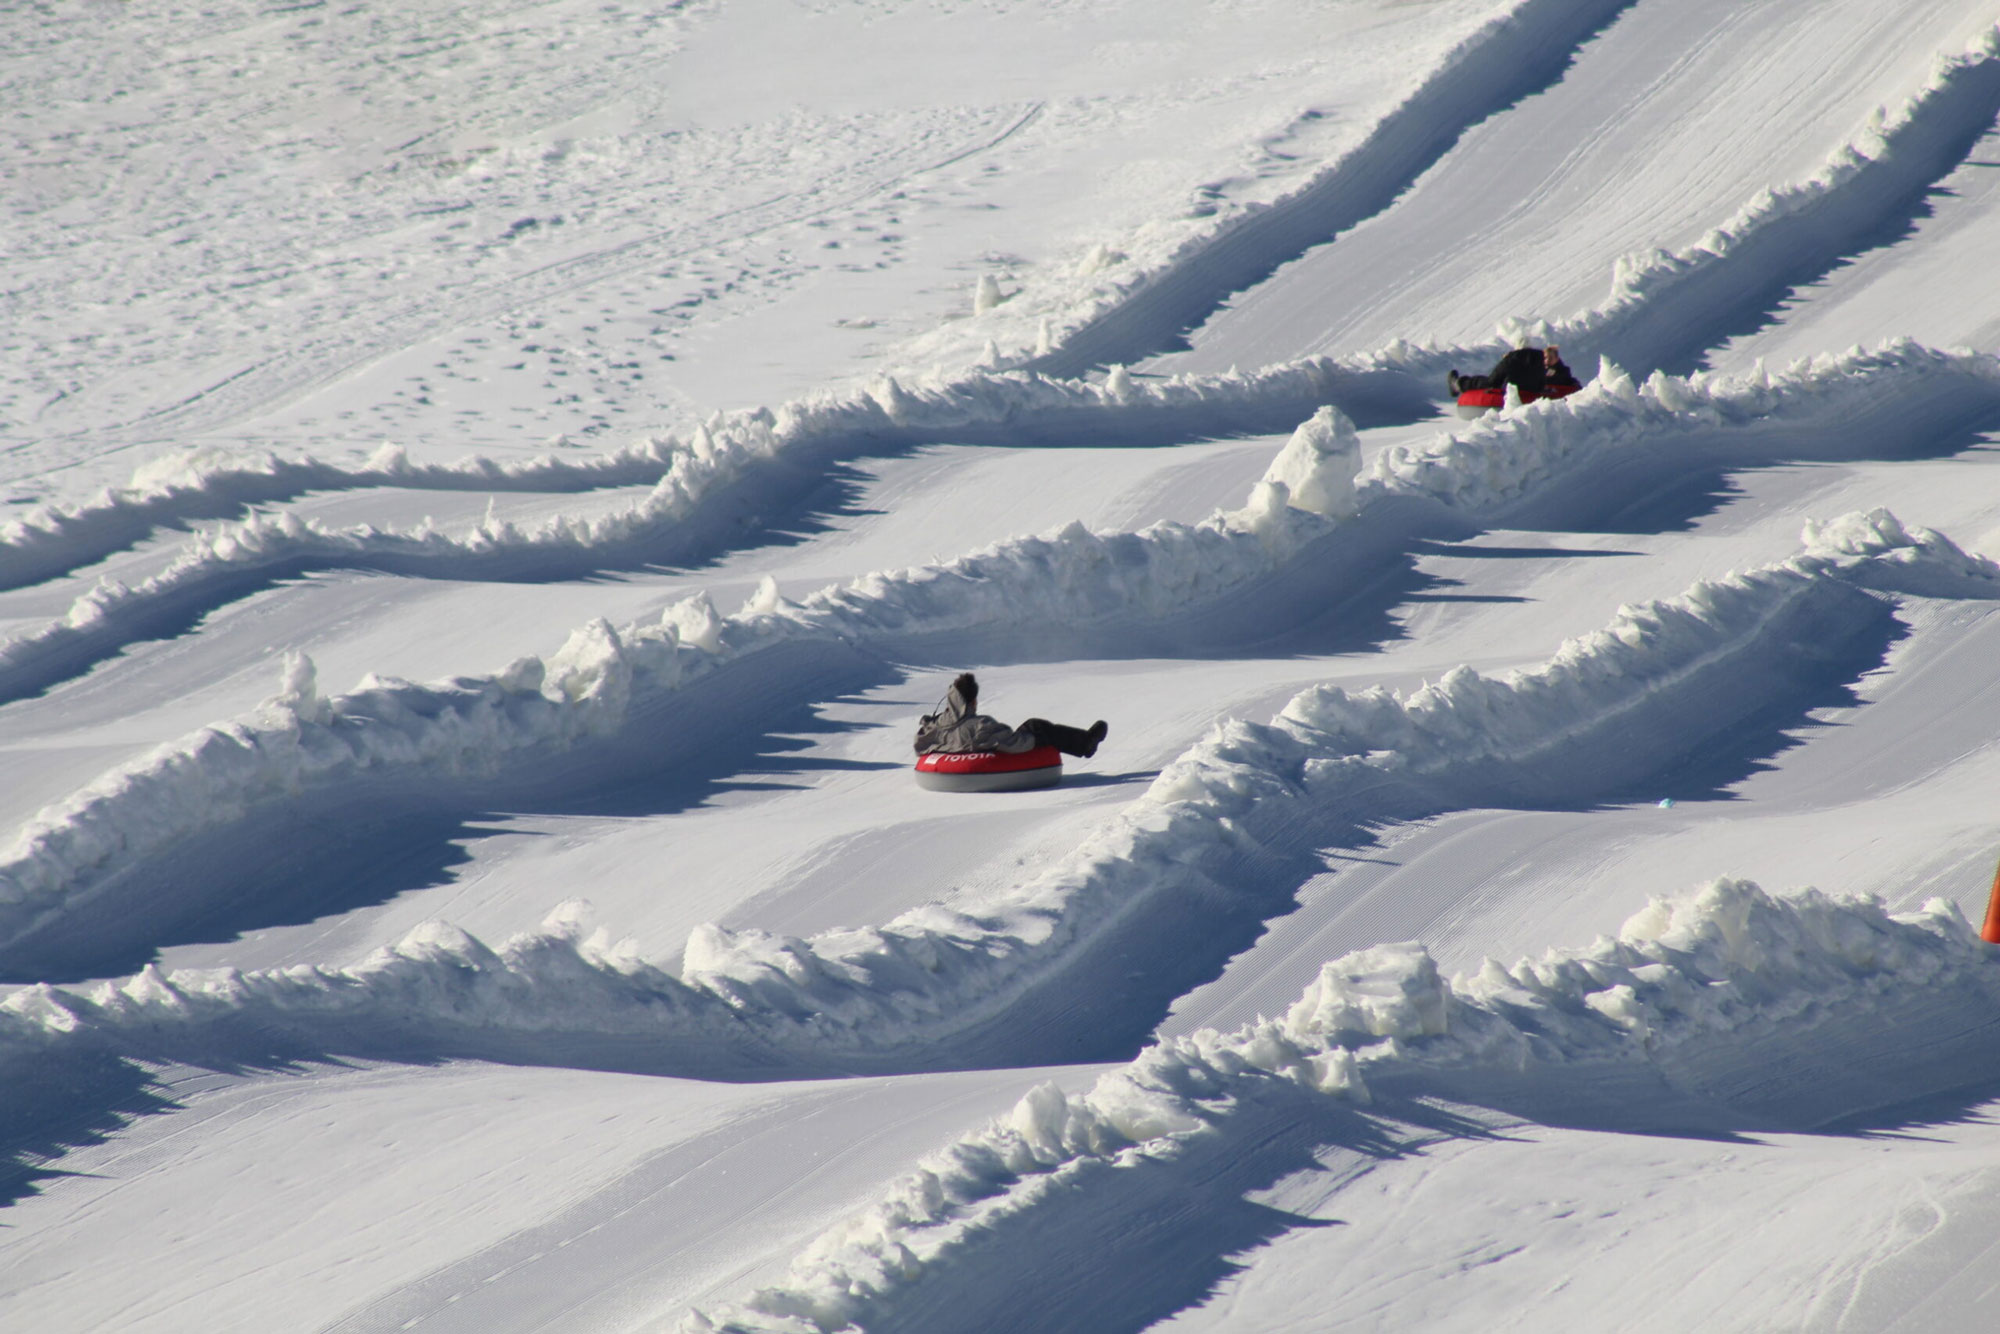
1663	309
912	992
189	485
313	748
685	502
1666	310
1756	1010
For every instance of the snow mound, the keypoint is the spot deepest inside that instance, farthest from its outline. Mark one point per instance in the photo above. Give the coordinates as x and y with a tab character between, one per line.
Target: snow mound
199	483
1684	984
1503	457
480	725
1051	312
939	970
1957	96
1318	464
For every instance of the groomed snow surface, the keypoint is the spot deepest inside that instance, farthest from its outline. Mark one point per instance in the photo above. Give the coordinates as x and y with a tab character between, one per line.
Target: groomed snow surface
490	493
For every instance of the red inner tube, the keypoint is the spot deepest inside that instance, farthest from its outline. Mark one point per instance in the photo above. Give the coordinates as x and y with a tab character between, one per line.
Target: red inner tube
988	761
1494	398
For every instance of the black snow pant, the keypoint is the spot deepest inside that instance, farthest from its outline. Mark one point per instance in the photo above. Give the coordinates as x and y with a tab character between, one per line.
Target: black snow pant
1075	741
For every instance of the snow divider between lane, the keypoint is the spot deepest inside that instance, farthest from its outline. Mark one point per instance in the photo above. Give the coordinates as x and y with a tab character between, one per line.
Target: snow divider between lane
730	448
1661	306
206	482
1671	307
1481	467
1686	989
302	740
919	982
726	451
1502	457
1894	154
1128	301
945	967
479	725
1787	234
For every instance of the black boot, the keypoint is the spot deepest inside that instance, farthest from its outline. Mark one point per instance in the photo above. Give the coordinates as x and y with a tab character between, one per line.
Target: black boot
1098	731
1452	380
1069	740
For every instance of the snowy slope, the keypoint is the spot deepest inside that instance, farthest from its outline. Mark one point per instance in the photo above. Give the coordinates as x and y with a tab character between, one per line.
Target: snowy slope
491	490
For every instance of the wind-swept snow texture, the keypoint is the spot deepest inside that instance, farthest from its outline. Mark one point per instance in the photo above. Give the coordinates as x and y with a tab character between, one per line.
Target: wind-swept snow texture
627	908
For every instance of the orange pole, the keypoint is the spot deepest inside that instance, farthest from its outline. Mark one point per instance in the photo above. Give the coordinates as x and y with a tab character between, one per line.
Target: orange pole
1991	931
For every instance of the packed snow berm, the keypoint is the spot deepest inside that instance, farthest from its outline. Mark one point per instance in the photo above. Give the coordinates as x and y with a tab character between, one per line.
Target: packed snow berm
489	493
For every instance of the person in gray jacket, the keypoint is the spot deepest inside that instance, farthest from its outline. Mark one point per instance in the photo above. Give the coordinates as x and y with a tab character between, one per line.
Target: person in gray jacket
958	728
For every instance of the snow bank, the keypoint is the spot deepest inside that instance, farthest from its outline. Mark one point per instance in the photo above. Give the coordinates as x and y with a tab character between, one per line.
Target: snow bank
1899	149
482	724
1674	305
943	968
300	740
437	987
727	450
1684	986
1492	461
1116	301
203	483
1501	457
684	470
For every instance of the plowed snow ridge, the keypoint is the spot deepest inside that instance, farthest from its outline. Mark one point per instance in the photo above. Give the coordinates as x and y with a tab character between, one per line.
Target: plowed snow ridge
589	689
1330	600
908	988
1696	991
1898	153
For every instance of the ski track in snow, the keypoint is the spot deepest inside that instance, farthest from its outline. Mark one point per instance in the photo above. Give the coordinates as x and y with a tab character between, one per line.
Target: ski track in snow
1728	1012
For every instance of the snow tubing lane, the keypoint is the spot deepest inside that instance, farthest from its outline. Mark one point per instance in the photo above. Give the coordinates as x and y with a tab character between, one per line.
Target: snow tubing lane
989	771
1477	402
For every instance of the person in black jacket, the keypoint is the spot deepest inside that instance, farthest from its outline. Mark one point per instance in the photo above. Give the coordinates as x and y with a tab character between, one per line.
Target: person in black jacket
958	728
1534	371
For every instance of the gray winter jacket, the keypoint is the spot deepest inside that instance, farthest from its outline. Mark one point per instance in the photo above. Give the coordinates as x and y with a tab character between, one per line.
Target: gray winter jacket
956	729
